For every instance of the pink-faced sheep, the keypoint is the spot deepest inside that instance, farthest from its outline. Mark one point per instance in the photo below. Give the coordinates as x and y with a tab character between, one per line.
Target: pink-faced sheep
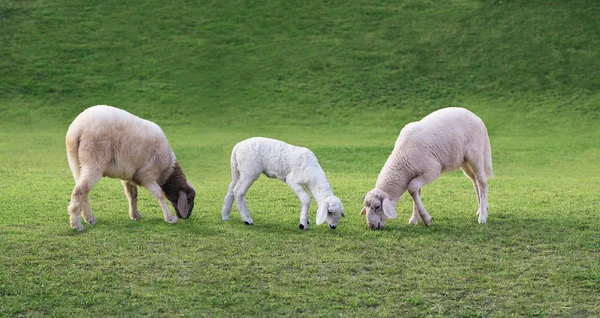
443	141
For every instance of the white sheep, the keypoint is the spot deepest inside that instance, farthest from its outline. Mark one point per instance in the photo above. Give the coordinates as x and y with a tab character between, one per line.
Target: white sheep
298	167
110	142
443	141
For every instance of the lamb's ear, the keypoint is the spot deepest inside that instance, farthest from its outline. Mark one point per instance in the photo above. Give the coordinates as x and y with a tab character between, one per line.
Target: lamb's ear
364	211
388	209
322	213
182	205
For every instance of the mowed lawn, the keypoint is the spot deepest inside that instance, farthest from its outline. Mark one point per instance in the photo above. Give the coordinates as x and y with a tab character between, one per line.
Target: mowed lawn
341	78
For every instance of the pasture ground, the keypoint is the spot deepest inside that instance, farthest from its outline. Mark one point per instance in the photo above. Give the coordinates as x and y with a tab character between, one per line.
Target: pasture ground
340	78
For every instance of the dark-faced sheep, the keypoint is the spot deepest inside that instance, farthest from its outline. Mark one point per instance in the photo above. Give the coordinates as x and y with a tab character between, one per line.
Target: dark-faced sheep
110	142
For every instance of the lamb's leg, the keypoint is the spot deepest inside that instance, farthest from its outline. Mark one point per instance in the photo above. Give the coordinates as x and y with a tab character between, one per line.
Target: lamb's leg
414	187
156	191
131	193
228	202
466	168
304	203
414	219
239	192
79	197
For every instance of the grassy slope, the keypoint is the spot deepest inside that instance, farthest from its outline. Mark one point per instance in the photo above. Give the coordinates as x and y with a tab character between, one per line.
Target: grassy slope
341	78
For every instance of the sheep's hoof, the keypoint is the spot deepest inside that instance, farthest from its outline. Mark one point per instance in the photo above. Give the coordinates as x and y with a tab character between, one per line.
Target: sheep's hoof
77	227
248	223
302	227
482	220
428	223
413	222
173	219
225	218
135	217
91	221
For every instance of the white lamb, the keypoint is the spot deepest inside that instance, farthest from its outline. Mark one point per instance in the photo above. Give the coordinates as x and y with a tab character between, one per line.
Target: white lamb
443	141
110	142
296	166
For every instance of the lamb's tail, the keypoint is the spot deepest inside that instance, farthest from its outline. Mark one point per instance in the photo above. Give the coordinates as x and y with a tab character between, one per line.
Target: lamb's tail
72	142
487	157
235	173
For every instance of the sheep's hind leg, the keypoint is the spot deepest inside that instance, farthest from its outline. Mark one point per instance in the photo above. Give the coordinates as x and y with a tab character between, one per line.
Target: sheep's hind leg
239	192
79	198
414	188
483	207
468	170
414	219
481	184
88	216
156	191
131	193
304	203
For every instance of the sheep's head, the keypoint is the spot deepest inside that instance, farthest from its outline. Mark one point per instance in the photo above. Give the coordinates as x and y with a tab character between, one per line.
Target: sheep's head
185	201
180	192
330	210
378	208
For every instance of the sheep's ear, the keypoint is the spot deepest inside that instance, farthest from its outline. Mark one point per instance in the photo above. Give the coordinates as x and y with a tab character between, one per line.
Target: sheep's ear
364	211
388	209
322	213
182	205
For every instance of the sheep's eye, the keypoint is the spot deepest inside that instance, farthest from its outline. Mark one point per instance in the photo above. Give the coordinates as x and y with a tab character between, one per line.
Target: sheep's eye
329	212
377	207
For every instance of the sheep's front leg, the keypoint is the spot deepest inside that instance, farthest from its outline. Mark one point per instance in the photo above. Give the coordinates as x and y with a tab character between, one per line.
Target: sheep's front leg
414	188
414	219
156	191
304	203
131	193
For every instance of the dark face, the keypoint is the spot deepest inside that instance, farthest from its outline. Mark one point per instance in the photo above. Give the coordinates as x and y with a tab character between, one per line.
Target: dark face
186	206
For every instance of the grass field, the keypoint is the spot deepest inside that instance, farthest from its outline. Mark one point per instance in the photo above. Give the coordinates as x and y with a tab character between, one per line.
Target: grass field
339	77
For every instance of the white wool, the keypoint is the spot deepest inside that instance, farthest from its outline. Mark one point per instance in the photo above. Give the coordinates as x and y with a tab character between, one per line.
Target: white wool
107	141
443	141
298	167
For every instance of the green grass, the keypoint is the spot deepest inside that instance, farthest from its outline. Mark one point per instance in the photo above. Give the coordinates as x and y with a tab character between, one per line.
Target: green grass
339	77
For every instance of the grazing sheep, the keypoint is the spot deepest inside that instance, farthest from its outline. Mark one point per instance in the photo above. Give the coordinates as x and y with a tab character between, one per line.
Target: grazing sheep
296	166
110	142
443	141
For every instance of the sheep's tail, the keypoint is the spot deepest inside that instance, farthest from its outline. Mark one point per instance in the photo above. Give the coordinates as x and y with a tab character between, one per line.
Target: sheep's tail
487	157
72	142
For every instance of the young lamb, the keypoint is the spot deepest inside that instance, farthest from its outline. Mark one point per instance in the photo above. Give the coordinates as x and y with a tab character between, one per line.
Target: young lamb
443	141
110	142
296	166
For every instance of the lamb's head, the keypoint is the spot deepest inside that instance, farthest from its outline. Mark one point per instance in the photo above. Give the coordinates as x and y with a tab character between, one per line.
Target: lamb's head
378	208
330	210
180	192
